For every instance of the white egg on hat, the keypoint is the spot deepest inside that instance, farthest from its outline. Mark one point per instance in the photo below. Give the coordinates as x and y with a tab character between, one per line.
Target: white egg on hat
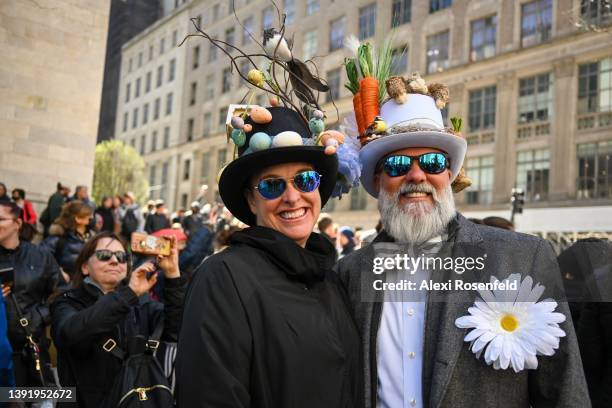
287	138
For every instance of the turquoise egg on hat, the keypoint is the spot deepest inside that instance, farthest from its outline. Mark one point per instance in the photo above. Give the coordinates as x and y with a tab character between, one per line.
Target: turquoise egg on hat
239	137
260	141
316	125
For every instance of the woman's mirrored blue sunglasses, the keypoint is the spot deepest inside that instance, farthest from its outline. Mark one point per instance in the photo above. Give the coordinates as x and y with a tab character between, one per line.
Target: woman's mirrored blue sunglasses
273	187
431	163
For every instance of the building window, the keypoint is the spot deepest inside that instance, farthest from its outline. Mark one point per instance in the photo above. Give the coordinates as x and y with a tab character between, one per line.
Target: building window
195	61
148	82
162	46
172	70
143	141
483	38
137	88
212	53
156	108
289	10
535	98
532	170
480	170
367	21
133	142
230	6
166	142
336	33
482	108
135	118
244	68
128	89
205	168
400	12
174	38
140	59
193	93
435	5
145	114
333	81
125	121
160	75
310	45
215	13
437	52
152	171
267	18
358	198
226	81
247	30
184	198
210	87
154	141
312	6
169	104
206	124
221	158
222	117
163	190
536	22
262	100
150	52
230	35
399	60
595	170
186	169
190	129
596	12
595	86
130	65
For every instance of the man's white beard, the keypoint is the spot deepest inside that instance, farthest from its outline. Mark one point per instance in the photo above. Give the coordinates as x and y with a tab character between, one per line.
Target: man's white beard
418	221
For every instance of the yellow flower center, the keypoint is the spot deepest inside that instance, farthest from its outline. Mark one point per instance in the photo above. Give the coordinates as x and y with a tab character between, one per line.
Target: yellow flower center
509	323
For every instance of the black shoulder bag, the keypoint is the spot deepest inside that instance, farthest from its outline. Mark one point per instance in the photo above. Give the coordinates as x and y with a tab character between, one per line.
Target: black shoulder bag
38	370
141	382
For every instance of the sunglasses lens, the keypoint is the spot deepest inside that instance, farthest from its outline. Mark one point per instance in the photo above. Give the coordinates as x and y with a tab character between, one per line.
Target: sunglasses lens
396	166
307	181
104	255
433	163
271	188
121	256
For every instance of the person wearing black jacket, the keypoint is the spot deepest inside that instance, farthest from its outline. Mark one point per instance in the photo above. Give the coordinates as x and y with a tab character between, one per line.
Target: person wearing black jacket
35	276
157	220
101	306
266	321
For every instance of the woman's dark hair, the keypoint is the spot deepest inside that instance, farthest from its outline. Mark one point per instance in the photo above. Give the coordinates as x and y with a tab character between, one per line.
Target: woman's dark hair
70	211
13	208
3	186
87	252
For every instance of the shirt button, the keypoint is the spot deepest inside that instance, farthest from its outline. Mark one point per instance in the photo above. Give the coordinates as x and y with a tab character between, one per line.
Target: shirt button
412	354
413	402
410	312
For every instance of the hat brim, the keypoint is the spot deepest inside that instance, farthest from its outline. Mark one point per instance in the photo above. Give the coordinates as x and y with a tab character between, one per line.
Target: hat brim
234	178
373	152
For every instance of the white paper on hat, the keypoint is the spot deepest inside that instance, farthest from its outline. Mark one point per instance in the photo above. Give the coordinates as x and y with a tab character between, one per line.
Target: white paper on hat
419	110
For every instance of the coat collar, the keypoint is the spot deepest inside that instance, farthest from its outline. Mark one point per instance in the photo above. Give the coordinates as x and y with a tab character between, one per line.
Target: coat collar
304	264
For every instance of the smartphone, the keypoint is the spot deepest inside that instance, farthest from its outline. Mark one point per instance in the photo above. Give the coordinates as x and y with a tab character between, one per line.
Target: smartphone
150	245
7	275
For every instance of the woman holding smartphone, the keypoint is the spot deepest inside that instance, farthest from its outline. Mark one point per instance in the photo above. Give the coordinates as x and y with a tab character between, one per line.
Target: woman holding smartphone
109	301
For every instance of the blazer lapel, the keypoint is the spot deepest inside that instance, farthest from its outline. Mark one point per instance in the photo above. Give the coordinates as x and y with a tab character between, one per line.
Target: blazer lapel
443	340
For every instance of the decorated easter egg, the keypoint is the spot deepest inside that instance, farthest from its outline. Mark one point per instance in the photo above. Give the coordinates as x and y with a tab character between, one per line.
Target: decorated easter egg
316	125
287	138
238	137
247	127
331	134
256	77
260	141
237	122
317	114
330	150
260	115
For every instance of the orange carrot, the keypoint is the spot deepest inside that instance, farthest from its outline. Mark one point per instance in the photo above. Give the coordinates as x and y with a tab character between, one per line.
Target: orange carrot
358	112
368	87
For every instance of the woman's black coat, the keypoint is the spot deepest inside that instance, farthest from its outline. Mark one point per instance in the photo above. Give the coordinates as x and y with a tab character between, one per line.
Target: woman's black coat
83	318
266	324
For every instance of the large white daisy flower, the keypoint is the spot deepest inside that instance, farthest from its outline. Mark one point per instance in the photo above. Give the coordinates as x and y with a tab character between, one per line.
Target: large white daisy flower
511	326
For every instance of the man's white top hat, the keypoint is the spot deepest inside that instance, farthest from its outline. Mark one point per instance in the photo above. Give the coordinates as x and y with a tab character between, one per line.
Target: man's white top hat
415	123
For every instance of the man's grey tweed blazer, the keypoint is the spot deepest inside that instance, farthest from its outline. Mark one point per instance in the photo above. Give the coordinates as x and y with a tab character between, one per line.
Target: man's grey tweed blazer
452	375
